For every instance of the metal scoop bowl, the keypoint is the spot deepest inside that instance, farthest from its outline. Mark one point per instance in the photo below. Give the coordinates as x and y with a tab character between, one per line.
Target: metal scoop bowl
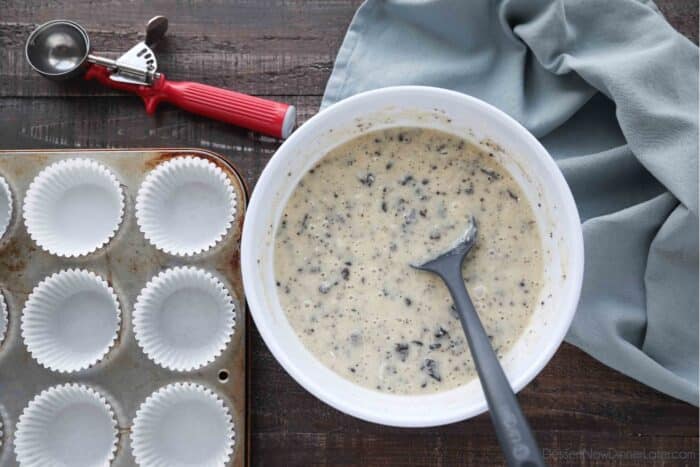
514	435
58	49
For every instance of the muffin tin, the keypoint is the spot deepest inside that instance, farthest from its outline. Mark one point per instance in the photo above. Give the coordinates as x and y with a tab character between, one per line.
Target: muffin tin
139	373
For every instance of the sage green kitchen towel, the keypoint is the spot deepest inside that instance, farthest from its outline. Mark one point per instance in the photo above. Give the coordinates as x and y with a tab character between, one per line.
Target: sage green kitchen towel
611	89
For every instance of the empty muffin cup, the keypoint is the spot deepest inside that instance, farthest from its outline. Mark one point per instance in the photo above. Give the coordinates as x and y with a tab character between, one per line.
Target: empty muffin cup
71	320
184	318
3	318
6	206
73	207
183	424
185	206
67	425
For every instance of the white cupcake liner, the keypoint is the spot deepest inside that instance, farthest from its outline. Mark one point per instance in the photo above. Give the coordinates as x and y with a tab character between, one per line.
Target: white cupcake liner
73	207
4	318
183	424
67	425
184	318
6	206
71	320
185	206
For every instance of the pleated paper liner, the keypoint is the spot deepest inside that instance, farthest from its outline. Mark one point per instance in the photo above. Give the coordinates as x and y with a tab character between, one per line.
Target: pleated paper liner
185	206
4	317
6	206
184	318
183	424
71	320
73	207
67	425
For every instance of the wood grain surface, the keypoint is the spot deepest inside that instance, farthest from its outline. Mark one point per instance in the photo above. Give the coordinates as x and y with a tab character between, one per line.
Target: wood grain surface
583	412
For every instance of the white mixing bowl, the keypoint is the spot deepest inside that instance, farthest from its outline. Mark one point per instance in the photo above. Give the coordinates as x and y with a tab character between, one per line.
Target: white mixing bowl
456	113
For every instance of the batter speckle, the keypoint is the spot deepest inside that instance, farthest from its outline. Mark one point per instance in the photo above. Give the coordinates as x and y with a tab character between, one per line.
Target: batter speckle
366	211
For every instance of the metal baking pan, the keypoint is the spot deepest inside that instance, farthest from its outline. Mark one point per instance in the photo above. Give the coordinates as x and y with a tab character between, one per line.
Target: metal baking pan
125	376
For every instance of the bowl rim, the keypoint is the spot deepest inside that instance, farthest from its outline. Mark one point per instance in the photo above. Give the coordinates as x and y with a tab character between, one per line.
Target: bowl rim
250	243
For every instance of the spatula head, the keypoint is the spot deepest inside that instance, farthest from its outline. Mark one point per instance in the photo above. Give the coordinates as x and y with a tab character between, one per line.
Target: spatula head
453	256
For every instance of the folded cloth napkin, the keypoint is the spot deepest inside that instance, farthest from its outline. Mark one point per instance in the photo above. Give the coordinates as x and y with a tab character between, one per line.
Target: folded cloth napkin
611	89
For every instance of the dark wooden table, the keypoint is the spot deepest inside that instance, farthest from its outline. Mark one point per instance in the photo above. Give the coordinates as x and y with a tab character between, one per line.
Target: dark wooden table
583	412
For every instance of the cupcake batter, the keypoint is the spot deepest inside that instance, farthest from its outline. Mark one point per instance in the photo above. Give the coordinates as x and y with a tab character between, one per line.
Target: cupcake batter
361	215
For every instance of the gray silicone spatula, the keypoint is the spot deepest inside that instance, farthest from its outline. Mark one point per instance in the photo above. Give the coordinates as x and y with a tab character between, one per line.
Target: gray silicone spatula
513	432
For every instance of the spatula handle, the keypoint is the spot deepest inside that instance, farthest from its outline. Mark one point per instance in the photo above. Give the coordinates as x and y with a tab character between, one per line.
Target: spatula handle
514	435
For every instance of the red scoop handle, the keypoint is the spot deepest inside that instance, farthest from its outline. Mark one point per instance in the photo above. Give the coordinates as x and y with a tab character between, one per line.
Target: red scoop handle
264	116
